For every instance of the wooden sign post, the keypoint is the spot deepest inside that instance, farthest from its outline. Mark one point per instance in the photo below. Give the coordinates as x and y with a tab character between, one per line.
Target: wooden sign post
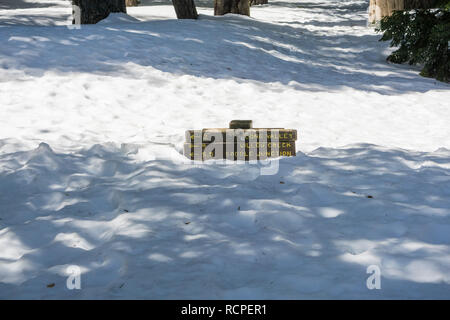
240	142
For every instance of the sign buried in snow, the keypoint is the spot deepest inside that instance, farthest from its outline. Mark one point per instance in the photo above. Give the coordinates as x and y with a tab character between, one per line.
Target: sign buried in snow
240	142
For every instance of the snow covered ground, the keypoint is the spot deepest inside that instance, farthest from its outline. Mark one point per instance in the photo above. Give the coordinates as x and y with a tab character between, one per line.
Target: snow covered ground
92	126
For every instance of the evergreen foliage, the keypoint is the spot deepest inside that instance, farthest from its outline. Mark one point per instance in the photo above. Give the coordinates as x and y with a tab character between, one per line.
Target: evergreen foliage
422	37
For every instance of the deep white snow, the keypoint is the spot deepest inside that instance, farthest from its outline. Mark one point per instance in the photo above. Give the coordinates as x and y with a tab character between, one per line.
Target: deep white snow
92	125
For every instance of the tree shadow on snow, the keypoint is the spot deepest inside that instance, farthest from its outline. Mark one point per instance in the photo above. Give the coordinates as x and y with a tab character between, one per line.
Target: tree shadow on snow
229	47
164	229
23	4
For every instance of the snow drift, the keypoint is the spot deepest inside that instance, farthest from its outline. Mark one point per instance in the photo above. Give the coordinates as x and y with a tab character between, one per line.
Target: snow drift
92	125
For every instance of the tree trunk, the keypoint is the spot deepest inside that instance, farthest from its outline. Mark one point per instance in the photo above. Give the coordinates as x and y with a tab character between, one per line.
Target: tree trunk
132	3
378	9
185	9
92	11
256	2
222	7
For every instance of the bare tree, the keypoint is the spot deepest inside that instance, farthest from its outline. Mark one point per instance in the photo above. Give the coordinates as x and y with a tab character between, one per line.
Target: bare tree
256	2
132	3
185	9
222	7
92	11
382	8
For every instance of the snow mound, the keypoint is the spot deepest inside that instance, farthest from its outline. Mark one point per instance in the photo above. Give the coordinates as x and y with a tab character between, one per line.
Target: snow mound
308	231
141	223
119	18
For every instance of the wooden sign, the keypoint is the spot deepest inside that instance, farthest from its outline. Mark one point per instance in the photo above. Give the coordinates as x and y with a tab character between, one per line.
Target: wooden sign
240	142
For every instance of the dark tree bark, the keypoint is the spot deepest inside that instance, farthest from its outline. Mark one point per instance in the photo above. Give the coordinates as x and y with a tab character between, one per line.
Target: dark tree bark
222	7
185	9
256	2
92	11
419	4
132	3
